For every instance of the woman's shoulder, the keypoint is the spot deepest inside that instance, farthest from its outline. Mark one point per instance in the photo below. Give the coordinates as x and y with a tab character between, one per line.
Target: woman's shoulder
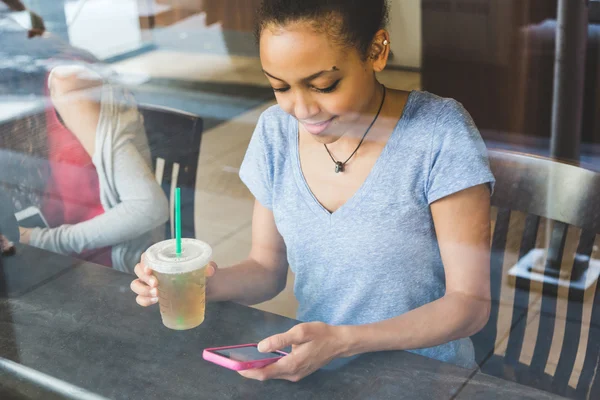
275	118
275	127
428	106
432	122
431	116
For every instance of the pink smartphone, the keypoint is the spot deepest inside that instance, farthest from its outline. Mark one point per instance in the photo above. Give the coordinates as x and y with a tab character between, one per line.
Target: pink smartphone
244	356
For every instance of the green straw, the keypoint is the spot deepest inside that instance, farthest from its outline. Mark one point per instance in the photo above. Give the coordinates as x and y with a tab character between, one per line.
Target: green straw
178	222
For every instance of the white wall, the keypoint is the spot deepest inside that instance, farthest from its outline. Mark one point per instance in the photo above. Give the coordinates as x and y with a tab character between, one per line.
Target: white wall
405	32
104	27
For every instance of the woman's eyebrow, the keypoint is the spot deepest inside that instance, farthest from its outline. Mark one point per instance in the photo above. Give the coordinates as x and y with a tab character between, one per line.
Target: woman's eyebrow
308	78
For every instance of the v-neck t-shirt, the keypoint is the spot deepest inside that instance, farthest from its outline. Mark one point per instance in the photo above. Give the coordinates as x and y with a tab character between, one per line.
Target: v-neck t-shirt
376	257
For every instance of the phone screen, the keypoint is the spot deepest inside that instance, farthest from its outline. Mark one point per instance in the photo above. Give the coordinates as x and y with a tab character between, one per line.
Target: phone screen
249	353
33	221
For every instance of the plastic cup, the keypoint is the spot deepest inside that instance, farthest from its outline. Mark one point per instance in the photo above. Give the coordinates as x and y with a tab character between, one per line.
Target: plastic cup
181	281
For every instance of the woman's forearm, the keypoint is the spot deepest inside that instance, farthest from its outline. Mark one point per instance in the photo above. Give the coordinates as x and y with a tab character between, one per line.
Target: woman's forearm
247	282
452	317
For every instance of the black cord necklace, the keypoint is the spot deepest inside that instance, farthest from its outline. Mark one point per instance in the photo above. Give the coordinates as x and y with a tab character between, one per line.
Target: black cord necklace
339	166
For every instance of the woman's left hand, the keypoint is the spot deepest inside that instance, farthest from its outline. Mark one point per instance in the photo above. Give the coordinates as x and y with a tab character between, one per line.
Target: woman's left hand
25	235
314	344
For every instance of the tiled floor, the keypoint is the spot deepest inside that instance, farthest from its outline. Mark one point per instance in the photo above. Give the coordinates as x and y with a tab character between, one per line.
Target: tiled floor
196	67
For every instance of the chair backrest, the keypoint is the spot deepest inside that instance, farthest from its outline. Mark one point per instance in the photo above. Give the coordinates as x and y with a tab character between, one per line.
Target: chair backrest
565	195
174	137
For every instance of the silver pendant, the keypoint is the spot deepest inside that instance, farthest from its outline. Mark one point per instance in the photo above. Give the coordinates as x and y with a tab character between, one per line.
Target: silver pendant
339	167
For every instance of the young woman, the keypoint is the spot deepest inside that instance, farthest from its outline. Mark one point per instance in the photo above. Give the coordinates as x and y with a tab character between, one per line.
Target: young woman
378	199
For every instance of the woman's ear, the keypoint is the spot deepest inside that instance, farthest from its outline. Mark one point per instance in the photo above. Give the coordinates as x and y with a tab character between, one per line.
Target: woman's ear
380	50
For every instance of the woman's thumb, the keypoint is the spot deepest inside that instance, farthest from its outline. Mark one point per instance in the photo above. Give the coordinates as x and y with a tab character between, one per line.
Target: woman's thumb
211	269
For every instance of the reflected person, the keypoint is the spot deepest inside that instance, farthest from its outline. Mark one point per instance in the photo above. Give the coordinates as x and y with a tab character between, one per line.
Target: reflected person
85	164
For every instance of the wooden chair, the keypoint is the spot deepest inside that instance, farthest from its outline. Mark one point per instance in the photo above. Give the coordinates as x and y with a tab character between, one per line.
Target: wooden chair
174	137
568	196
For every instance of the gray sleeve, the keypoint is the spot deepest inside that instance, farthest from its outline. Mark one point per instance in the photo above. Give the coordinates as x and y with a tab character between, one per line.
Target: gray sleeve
458	155
143	206
256	171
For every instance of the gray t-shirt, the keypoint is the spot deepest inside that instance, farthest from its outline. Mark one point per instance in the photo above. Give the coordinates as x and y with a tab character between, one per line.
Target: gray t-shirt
377	256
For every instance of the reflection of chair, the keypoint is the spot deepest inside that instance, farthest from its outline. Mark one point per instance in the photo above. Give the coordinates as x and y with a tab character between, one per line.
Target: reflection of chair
8	223
174	138
568	196
532	107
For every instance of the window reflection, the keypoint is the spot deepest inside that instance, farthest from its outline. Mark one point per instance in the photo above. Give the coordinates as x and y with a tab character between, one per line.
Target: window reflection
77	167
107	106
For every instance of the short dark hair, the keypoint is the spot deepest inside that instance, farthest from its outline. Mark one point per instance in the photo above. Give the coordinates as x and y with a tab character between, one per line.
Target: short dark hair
352	22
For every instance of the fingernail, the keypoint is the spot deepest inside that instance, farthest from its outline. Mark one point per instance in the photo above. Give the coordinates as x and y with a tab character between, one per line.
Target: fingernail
155	299
154	292
152	281
262	347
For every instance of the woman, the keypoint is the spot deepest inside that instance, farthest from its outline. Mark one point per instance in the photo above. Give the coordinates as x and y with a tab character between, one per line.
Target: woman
377	198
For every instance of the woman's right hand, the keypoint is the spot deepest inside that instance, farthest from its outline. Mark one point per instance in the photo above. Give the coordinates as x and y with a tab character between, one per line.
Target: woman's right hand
146	286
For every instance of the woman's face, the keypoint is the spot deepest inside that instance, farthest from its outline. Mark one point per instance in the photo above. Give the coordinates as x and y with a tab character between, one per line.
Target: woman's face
324	85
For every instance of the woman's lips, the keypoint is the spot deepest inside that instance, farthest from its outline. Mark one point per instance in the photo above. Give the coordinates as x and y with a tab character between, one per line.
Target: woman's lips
318	128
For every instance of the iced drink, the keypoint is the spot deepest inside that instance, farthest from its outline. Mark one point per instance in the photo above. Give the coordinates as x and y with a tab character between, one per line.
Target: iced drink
181	281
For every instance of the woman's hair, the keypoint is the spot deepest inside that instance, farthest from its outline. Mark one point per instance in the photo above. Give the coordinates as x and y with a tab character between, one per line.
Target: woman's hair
352	23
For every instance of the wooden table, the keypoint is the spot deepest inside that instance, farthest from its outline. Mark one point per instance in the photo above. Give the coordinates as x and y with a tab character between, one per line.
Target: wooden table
78	322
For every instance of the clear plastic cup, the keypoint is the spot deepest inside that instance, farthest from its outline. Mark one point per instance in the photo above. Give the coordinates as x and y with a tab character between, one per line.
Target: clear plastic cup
181	281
